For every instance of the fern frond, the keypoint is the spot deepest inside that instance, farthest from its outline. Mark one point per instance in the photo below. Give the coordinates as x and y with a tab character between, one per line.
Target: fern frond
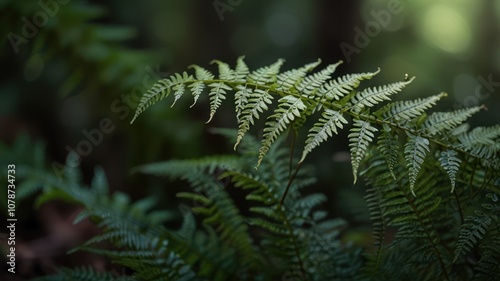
198	86
310	84
371	96
488	267
406	110
337	88
241	71
445	121
321	131
475	227
362	134
450	163
160	90
266	75
388	144
288	79
217	95
257	103
415	151
289	108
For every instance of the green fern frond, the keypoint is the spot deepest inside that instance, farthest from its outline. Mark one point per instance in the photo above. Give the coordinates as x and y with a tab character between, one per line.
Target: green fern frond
445	121
310	84
289	108
488	267
406	110
451	164
475	227
415	152
362	134
371	96
288	79
337	88
160	90
257	103
198	86
266	75
388	144
217	95
321	131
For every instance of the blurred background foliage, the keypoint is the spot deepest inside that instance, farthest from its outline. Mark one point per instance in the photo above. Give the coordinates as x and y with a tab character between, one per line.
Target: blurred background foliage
73	69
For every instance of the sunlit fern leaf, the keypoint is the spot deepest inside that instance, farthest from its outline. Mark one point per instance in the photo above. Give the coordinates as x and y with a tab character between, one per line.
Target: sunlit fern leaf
371	96
475	227
451	164
225	71
198	86
406	110
288	79
310	84
339	87
360	137
241	71
388	144
265	75
326	126
160	90
241	100
178	92
258	102
289	108
217	95
415	152
446	121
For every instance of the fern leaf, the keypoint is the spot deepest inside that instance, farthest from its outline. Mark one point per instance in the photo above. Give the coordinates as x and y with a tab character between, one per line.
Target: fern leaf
450	163
198	87
445	121
321	131
241	70
475	227
388	144
289	108
159	91
267	74
288	79
337	88
241	100
258	101
371	96
179	90
310	84
217	95
225	72
361	135
415	151
407	110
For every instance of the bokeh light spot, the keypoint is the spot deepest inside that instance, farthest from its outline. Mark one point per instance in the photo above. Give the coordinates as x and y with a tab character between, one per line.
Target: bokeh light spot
445	28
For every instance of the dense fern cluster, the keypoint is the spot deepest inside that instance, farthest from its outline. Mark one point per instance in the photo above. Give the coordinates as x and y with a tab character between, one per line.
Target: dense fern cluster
409	158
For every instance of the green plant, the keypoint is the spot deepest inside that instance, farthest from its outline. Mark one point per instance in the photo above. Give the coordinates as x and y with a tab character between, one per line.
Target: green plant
431	179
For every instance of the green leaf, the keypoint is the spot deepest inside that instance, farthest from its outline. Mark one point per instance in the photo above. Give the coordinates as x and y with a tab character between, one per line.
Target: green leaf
415	152
450	163
362	134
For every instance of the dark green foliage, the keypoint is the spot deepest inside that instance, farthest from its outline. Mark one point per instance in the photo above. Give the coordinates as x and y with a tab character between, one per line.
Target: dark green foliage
410	159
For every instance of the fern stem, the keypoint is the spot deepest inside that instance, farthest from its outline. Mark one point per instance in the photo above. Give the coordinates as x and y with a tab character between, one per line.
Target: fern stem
290	181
